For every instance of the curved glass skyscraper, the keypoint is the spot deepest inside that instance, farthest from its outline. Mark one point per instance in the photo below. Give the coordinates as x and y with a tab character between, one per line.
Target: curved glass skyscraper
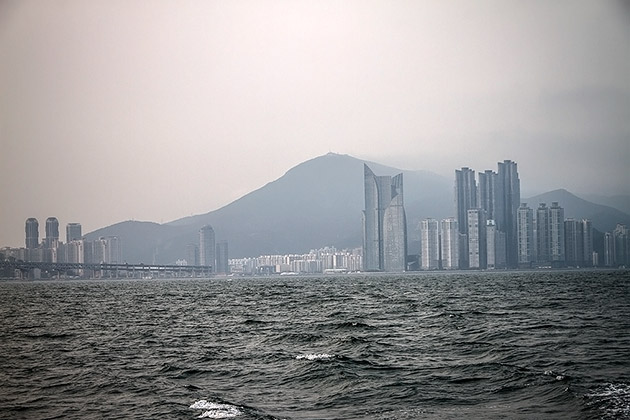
384	223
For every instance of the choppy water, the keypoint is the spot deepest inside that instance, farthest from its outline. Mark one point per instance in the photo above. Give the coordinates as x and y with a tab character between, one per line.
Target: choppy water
428	346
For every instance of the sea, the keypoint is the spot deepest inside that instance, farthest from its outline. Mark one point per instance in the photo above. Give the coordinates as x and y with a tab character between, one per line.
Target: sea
478	345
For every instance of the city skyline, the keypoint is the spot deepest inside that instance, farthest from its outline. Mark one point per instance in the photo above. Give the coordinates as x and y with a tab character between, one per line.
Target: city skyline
101	102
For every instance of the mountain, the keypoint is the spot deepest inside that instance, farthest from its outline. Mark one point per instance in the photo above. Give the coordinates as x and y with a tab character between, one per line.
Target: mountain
604	218
315	204
619	202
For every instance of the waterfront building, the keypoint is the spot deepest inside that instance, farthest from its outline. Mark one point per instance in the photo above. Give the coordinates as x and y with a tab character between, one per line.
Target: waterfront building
621	236
449	235
32	233
384	223
542	232
487	193
588	247
556	235
574	243
207	250
430	244
495	248
192	254
508	198
525	236
52	232
222	266
465	199
107	250
477	252
73	232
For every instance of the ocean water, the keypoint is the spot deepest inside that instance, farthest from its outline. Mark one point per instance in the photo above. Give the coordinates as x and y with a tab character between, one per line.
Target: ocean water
500	345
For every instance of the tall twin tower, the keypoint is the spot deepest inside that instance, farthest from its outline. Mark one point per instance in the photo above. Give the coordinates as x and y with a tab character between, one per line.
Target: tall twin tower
495	201
384	223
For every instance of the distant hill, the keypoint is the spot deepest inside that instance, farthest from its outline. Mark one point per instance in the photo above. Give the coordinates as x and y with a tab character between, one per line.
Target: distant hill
317	203
604	218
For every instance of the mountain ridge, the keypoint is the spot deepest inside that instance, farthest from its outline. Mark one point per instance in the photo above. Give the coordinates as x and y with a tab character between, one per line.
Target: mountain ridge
316	203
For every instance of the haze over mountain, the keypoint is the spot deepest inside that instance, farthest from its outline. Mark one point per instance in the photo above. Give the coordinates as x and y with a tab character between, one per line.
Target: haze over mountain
317	203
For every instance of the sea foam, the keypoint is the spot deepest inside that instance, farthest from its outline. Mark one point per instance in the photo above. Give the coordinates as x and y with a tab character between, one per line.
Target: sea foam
320	356
214	410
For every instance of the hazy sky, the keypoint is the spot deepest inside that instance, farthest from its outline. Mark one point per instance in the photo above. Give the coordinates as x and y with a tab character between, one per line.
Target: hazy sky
155	110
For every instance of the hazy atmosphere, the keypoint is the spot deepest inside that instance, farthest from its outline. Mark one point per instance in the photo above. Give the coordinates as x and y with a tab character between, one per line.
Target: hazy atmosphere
118	110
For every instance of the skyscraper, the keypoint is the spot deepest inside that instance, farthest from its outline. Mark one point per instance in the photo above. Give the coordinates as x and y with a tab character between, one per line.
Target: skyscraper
587	229
73	232
477	256
465	196
525	236
430	238
495	240
207	250
542	226
465	199
32	233
574	243
487	193
223	267
556	235
384	223
507	203
52	232
449	233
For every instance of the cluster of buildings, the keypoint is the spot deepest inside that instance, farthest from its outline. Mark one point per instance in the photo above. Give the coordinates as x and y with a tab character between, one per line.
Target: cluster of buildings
492	229
76	249
323	260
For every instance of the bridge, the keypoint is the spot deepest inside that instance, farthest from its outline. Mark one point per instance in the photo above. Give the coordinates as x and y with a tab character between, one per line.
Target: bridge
26	269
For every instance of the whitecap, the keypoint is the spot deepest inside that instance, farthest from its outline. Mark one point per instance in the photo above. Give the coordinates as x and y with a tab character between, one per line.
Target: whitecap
215	410
614	399
313	356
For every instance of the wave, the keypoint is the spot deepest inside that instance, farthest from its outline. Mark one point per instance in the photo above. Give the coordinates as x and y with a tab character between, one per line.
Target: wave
215	410
612	401
314	356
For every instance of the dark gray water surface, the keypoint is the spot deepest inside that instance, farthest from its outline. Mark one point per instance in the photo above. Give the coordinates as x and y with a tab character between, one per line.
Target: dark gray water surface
433	346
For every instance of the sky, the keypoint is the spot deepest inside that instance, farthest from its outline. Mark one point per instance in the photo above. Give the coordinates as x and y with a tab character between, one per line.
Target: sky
155	110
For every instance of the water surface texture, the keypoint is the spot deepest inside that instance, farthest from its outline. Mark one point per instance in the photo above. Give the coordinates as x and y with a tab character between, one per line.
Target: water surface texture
498	345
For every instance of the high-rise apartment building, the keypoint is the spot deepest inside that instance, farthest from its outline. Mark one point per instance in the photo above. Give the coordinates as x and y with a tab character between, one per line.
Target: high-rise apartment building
507	204
495	248
73	232
52	232
487	193
525	236
192	254
465	199
477	256
207	247
556	235
384	223
543	235
449	234
32	233
430	244
621	236
223	267
574	243
578	243
587	229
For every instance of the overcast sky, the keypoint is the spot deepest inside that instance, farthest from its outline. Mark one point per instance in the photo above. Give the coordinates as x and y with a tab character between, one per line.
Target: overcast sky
155	110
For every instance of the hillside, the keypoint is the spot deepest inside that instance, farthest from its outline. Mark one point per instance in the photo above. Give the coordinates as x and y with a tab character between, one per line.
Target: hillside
317	203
